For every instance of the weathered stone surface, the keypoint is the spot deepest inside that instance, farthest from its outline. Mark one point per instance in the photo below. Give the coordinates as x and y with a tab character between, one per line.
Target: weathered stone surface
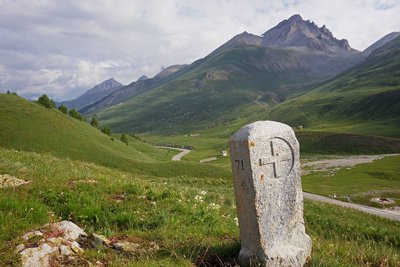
126	247
33	257
99	241
269	199
75	247
20	248
7	180
65	250
56	239
71	230
32	234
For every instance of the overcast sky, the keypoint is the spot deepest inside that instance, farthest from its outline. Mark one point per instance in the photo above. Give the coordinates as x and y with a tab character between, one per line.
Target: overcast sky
65	47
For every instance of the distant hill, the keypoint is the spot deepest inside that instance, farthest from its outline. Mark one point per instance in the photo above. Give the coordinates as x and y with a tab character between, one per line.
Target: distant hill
247	70
96	93
363	99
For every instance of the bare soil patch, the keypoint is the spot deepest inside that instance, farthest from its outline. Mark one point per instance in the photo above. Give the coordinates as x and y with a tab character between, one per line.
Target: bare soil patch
336	164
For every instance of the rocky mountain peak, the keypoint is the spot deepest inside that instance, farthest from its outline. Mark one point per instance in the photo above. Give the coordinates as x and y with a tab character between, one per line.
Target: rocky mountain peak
96	93
142	78
295	18
296	32
104	86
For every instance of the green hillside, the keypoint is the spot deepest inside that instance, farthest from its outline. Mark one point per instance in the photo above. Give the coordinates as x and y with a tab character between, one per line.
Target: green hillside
364	99
28	126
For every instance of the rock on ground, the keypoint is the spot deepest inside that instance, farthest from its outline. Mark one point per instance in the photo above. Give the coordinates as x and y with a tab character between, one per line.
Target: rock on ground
56	239
7	180
63	242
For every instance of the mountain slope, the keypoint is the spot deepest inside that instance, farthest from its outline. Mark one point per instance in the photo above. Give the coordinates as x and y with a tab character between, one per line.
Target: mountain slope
96	93
364	99
381	42
242	72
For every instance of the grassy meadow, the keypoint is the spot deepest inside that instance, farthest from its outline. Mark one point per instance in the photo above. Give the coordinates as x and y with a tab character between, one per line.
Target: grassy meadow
191	218
135	192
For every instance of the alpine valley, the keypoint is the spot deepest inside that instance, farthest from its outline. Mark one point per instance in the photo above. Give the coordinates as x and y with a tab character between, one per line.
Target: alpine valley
259	77
113	177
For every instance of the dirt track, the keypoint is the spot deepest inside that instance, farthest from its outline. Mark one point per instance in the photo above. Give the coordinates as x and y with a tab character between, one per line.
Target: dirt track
392	215
339	163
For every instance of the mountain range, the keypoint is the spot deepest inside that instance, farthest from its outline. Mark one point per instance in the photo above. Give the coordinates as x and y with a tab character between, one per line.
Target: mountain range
248	76
95	94
143	84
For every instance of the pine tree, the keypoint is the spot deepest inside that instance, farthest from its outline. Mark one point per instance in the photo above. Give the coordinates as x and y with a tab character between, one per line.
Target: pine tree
63	109
45	101
106	130
124	139
75	114
94	122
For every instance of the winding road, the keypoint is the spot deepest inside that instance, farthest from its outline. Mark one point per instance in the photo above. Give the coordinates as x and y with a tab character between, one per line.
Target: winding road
178	156
392	215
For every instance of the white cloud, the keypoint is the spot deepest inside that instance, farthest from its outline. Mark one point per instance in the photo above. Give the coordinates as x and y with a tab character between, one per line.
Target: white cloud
66	47
5	77
88	73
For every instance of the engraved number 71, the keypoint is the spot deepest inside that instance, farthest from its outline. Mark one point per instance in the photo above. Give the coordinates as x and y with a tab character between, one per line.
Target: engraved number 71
239	164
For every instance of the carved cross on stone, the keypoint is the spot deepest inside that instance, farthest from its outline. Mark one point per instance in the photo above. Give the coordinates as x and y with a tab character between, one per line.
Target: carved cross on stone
281	157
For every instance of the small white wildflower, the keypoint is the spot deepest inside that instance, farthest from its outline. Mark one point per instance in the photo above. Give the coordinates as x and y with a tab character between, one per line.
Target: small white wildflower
153	203
214	206
203	193
141	197
198	198
236	221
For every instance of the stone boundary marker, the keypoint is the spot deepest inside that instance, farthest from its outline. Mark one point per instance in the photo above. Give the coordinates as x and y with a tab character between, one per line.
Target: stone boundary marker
269	198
